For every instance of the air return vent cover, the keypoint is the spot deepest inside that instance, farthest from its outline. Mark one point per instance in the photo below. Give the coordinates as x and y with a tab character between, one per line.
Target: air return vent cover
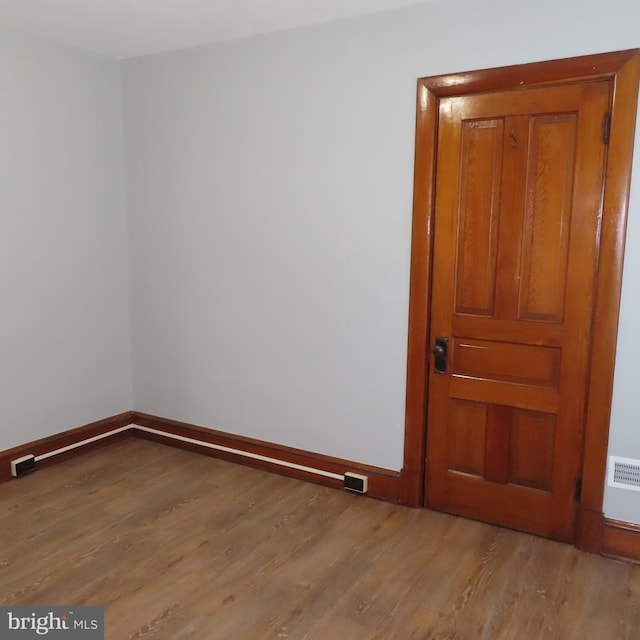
624	473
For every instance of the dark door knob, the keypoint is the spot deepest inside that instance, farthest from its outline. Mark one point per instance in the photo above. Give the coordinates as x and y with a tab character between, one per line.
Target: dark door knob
440	350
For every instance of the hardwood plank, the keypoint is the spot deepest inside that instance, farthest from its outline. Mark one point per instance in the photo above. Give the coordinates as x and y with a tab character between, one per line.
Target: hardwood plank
180	546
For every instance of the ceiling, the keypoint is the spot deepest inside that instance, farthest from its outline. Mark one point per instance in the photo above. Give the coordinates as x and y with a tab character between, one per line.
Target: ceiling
129	28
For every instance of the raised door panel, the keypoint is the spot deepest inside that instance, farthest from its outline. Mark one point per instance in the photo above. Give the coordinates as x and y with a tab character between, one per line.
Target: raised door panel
547	217
480	174
467	430
503	361
531	449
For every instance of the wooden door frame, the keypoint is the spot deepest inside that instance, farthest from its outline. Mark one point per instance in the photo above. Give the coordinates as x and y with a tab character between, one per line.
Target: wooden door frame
622	68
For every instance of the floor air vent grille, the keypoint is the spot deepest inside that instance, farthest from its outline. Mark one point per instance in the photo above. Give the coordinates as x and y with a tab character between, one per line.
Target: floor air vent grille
624	473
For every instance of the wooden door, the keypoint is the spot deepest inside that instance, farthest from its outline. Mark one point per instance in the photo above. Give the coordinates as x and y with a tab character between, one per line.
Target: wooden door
519	187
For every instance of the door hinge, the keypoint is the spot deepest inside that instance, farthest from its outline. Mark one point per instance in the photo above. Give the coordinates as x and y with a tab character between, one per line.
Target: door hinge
578	489
606	127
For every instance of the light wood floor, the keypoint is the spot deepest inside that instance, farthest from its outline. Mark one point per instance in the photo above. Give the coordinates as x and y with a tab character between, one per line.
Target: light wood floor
176	545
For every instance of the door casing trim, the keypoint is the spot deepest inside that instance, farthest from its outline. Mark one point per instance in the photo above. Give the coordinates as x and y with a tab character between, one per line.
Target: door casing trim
622	69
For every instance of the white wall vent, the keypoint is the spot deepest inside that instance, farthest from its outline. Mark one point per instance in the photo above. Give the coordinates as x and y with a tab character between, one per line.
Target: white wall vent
624	473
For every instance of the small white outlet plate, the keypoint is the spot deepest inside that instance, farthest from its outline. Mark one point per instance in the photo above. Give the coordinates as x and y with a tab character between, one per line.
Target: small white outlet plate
22	466
356	482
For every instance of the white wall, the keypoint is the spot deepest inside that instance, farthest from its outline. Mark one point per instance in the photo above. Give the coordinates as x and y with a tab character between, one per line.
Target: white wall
65	357
624	437
270	185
